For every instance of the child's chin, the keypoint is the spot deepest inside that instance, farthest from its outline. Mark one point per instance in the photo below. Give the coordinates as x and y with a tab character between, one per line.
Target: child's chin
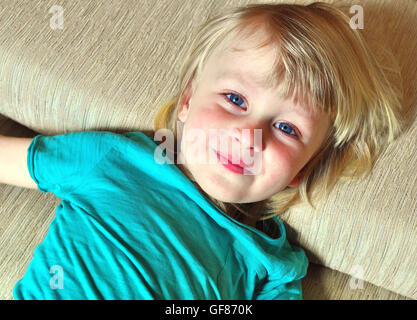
220	193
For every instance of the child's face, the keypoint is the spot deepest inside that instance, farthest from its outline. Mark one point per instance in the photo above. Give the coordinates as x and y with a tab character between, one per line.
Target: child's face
290	135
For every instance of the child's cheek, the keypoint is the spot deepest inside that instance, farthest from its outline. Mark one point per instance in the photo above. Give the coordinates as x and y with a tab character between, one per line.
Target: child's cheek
280	161
209	118
198	139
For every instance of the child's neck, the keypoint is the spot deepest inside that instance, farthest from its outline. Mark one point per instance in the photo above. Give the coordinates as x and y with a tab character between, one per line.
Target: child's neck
250	221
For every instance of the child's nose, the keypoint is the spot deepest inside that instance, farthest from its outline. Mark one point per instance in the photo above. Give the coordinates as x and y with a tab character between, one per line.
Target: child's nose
249	138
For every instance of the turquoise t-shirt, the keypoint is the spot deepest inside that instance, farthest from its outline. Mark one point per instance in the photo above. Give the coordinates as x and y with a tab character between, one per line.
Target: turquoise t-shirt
131	228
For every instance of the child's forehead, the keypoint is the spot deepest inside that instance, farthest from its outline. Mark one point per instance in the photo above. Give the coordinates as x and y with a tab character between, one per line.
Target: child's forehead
238	42
254	64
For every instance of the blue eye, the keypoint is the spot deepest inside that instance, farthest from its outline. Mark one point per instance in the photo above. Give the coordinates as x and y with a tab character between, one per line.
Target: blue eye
283	126
286	128
235	99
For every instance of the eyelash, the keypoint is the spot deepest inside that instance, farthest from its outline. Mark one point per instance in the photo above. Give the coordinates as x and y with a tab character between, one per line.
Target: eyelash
244	100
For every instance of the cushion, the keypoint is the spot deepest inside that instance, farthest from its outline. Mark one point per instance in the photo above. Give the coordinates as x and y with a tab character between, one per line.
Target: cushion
114	63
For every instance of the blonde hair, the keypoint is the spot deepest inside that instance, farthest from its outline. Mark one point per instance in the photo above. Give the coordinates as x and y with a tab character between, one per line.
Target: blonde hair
323	62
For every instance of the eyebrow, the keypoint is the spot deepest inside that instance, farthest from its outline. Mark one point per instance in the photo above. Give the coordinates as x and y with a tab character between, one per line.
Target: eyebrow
249	81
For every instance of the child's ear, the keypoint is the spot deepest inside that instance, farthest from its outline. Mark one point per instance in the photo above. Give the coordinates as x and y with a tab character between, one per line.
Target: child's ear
184	107
295	182
183	112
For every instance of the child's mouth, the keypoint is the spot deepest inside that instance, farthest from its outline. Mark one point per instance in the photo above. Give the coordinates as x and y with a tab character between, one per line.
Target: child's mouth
227	163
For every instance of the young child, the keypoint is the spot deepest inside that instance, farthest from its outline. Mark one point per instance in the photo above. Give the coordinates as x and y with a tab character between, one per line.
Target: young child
134	226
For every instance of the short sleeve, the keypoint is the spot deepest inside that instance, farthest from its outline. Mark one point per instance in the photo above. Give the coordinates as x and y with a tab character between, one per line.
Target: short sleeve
58	164
283	281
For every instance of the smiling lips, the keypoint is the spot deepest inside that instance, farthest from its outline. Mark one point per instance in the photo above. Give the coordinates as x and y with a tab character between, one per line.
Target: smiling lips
227	163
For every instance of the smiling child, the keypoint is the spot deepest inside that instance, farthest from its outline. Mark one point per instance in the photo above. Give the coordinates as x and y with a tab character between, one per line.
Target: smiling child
290	89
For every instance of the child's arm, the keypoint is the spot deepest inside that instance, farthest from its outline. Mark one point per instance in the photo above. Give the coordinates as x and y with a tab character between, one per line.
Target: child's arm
13	162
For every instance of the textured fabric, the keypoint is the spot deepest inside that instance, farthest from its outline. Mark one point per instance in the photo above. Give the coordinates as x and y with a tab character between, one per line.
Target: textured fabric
115	62
130	228
322	283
